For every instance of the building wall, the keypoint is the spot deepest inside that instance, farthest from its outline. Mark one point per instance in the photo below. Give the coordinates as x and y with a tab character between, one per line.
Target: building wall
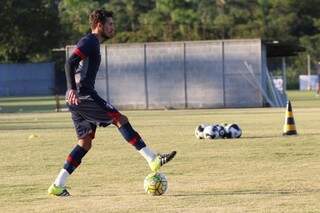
199	74
241	86
26	79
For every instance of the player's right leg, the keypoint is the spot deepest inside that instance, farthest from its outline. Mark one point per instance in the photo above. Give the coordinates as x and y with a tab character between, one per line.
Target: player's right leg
58	188
85	131
60	191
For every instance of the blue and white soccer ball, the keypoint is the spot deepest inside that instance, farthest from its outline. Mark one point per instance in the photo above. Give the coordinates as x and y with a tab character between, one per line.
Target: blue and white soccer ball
209	132
214	132
198	132
221	130
233	131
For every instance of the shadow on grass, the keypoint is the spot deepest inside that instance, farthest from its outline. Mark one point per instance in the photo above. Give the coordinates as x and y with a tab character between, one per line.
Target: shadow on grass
213	193
28	109
35	127
263	136
280	136
245	192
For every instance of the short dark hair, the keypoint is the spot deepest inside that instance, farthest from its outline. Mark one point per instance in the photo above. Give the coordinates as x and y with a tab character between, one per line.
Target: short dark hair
99	15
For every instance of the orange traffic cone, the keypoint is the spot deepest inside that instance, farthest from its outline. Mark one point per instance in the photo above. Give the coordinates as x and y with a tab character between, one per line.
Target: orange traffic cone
289	127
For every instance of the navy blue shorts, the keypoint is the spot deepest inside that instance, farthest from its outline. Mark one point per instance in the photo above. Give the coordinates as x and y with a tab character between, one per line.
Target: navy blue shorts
91	112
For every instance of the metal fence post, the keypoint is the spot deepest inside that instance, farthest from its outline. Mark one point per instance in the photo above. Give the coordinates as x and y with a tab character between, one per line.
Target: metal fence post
223	75
185	76
146	76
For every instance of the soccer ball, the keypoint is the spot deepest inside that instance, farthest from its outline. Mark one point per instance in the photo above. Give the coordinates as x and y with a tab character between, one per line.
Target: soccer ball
221	131
233	131
155	184
210	132
214	132
199	131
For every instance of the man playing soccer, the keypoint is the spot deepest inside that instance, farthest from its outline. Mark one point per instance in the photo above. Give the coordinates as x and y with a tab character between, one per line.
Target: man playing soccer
88	110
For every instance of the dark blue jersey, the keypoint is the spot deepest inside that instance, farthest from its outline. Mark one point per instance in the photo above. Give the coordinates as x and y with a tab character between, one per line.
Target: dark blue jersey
88	52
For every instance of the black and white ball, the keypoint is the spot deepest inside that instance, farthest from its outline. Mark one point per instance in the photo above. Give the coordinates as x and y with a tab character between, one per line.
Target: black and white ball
221	130
211	132
198	132
233	131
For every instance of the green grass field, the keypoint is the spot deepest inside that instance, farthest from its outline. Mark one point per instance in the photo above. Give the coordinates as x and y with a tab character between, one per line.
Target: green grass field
30	104
261	172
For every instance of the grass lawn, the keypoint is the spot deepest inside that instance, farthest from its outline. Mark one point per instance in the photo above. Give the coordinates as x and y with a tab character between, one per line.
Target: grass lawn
262	171
30	104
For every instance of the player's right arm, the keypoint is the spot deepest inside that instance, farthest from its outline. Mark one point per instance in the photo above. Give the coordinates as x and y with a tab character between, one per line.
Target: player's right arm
80	53
70	70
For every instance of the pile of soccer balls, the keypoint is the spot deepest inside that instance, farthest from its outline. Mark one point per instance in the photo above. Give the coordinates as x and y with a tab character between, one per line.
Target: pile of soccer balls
216	131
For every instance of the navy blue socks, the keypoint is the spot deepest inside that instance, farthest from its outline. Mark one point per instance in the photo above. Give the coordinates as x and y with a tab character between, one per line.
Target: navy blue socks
74	158
131	136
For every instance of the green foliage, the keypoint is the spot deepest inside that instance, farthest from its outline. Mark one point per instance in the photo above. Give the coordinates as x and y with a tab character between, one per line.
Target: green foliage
34	27
74	15
29	29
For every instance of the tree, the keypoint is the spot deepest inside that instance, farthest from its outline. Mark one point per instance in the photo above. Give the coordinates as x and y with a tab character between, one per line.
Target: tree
29	30
74	16
127	15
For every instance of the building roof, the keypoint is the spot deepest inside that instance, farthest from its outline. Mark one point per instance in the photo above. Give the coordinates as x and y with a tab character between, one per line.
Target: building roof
279	49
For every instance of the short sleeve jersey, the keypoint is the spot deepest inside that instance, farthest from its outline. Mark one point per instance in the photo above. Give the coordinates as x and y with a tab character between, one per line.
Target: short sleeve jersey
88	49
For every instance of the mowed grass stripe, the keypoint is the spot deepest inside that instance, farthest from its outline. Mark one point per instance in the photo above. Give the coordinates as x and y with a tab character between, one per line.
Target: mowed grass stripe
261	172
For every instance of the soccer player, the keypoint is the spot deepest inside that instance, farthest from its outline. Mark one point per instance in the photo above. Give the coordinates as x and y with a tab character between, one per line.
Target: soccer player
88	110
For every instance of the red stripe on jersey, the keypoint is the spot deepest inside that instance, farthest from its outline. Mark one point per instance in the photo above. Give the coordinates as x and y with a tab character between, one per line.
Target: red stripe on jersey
79	53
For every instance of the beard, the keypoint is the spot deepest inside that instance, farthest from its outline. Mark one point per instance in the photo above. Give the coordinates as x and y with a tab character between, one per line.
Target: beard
105	36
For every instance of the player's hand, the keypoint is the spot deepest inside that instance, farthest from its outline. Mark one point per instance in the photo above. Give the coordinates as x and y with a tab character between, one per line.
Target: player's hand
72	97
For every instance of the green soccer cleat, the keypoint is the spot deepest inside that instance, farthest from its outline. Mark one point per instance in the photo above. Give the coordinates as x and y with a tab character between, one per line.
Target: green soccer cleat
58	191
160	160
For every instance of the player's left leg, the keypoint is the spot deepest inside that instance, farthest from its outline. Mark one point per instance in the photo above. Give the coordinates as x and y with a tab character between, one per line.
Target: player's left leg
130	135
104	114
